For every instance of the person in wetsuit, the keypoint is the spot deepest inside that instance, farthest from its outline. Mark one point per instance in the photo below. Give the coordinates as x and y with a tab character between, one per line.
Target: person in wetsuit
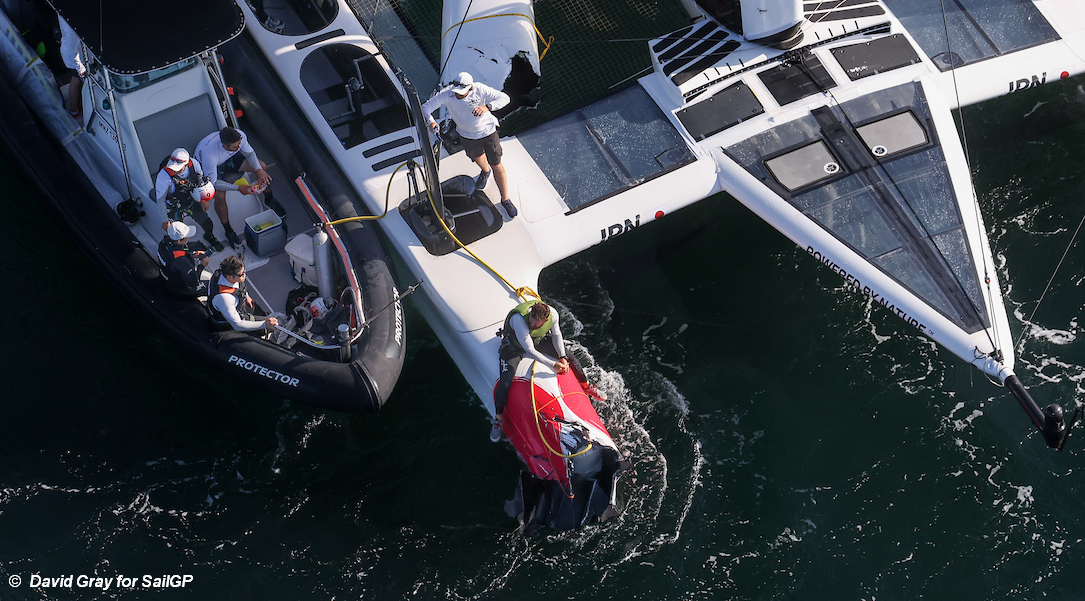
531	330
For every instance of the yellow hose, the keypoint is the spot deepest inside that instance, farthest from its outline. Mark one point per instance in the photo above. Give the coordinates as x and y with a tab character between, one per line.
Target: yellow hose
538	425
521	292
387	200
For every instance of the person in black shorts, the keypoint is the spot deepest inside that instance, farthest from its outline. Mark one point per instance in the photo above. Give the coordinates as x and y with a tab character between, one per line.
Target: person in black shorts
470	104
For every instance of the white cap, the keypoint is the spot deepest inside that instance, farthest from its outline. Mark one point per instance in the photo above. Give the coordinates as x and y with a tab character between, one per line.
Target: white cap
178	159
179	230
463	83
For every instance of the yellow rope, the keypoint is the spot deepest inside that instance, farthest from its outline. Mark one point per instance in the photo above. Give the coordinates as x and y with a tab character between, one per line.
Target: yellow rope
546	42
538	425
521	291
387	200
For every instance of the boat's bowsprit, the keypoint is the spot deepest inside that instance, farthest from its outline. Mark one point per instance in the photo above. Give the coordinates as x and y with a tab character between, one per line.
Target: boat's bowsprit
1050	421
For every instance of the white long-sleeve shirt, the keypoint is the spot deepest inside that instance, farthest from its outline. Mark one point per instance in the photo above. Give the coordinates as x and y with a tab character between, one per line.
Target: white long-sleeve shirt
163	183
71	48
211	154
462	110
227	305
523	334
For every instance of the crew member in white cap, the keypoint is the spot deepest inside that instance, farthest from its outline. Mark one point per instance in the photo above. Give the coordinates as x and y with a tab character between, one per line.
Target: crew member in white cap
182	265
471	105
179	186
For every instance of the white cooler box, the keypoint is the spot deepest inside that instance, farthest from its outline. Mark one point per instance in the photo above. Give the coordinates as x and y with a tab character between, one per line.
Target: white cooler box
300	250
264	233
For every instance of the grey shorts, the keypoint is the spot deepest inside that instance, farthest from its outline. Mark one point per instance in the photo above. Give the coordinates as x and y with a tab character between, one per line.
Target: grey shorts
491	145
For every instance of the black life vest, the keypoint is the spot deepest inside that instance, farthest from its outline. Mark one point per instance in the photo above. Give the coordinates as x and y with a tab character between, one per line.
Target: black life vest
169	249
181	270
240	293
182	186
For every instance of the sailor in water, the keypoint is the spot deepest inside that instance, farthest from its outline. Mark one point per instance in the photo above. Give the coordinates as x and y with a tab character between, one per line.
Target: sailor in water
231	302
470	104
531	330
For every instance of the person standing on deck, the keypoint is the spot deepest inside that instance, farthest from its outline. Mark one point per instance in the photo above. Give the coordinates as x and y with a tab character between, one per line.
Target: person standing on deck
470	104
71	50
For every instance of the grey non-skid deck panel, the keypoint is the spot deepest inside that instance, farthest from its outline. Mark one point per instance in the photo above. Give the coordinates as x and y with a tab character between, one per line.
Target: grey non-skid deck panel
606	147
978	29
789	82
896	210
877	56
712	58
723	109
849	9
701	49
375	150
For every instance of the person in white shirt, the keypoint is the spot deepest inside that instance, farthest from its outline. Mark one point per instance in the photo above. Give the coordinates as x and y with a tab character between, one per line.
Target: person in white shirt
226	154
470	104
71	50
179	186
230	300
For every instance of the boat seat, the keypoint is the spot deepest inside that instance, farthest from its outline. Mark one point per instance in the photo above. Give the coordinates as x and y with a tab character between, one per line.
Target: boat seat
182	125
460	199
379	104
343	111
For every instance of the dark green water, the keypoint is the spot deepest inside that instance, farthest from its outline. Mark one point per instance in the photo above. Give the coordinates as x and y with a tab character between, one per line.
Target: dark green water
790	440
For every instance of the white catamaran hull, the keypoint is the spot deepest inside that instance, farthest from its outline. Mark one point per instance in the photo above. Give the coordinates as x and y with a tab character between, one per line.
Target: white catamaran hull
845	143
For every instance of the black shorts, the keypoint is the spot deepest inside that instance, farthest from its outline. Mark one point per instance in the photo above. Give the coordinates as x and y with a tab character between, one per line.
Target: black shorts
491	145
232	166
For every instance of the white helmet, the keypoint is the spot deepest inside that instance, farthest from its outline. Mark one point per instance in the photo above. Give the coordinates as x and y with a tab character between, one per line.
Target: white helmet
204	192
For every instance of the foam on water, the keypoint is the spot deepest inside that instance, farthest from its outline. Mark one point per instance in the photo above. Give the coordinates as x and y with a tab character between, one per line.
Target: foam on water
821	449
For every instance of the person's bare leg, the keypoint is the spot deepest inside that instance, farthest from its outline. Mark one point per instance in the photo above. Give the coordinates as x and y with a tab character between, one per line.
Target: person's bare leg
499	177
221	208
75	96
503	189
482	162
223	211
